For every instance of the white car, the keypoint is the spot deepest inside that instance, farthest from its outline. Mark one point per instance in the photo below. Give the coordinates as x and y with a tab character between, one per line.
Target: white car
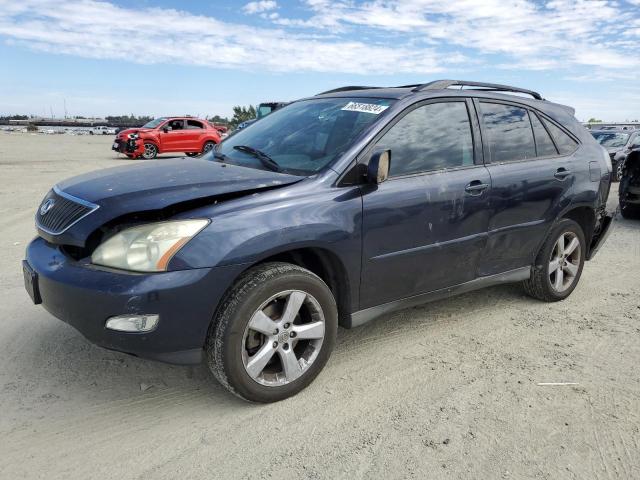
102	130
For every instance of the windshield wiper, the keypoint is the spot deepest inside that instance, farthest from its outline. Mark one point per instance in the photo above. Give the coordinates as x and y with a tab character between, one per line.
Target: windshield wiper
265	159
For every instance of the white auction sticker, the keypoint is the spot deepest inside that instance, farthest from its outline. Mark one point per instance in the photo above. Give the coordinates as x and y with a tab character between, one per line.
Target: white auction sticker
364	108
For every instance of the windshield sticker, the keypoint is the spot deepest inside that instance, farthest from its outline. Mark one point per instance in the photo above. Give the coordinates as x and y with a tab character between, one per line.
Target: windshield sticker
364	108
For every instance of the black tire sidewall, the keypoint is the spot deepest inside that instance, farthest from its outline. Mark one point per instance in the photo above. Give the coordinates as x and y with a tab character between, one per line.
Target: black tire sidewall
232	326
563	226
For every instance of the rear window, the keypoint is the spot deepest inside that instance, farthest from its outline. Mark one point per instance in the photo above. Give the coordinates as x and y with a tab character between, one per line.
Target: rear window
194	124
509	131
564	142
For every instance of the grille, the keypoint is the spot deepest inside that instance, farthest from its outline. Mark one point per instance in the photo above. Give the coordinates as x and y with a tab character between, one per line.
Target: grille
58	211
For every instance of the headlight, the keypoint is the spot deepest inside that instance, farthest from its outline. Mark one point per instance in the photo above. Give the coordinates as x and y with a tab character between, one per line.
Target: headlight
146	248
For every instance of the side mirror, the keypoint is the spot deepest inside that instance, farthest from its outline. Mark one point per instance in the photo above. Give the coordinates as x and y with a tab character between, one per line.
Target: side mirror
379	164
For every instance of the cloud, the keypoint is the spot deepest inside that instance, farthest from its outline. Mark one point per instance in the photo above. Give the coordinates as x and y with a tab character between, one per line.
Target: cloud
259	7
556	33
99	29
340	36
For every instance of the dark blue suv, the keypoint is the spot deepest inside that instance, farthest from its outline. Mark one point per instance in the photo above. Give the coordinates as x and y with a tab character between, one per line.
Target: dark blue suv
331	211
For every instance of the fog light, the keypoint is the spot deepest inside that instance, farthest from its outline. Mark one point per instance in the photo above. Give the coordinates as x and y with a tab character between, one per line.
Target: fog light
133	323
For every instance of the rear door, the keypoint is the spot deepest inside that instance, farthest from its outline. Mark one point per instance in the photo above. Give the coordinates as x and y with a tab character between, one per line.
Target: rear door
532	170
193	135
425	227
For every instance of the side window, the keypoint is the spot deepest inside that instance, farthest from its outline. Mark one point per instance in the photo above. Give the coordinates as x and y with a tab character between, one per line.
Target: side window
176	124
431	137
635	143
193	124
509	132
544	144
565	143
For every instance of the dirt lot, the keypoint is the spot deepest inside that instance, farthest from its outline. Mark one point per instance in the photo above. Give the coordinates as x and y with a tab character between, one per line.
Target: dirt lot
447	390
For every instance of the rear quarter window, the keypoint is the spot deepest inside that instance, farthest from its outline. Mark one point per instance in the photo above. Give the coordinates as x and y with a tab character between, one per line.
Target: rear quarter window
564	142
544	144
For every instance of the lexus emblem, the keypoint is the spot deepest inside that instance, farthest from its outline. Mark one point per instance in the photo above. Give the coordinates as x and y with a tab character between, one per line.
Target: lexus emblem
46	206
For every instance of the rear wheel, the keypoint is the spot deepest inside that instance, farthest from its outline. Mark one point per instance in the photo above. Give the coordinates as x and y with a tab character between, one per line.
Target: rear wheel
559	263
207	147
150	151
273	333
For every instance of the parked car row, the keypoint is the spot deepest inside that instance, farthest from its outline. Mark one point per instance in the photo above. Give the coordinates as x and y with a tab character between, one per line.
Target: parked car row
619	145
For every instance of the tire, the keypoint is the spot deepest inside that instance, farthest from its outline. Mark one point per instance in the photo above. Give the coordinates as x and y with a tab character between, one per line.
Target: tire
549	285
618	171
207	147
234	349
191	154
150	151
629	212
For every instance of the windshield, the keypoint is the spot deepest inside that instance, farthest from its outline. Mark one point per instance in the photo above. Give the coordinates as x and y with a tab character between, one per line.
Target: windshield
264	110
303	137
154	123
610	139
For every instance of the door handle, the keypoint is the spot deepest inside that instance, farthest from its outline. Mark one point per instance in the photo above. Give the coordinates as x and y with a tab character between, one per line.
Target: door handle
562	173
476	187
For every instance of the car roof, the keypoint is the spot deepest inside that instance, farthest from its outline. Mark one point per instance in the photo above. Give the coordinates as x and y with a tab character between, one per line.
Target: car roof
441	88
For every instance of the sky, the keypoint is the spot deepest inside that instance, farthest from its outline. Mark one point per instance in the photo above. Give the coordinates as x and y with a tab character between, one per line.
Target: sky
203	57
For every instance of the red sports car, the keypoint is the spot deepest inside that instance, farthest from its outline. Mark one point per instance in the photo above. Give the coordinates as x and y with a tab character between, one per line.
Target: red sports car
188	135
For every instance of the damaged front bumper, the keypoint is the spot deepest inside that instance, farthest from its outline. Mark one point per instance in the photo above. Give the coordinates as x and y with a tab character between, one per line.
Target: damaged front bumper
86	297
132	147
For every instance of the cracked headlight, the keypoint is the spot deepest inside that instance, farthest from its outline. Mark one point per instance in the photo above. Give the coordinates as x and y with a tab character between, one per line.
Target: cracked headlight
146	248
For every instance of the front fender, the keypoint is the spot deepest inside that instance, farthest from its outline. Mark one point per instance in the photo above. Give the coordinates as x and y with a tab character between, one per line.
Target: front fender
275	223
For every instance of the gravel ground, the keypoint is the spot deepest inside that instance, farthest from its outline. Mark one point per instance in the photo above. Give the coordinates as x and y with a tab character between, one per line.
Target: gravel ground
447	390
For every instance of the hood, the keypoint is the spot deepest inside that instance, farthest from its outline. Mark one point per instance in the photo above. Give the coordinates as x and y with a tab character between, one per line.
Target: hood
613	149
124	133
154	186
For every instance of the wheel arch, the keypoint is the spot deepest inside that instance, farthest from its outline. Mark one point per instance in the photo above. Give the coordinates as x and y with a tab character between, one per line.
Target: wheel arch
209	138
583	214
325	264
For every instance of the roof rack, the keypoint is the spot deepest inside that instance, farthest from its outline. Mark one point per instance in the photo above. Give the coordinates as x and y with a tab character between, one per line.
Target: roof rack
346	89
492	87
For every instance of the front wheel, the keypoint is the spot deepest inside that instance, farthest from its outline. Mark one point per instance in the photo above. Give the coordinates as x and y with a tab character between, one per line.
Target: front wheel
150	151
273	332
559	263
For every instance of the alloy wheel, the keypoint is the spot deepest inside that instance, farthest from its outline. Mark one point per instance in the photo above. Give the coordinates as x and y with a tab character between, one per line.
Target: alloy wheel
564	263
283	338
150	151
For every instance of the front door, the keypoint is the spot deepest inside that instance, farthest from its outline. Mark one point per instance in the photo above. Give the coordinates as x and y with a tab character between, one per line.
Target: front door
172	136
424	228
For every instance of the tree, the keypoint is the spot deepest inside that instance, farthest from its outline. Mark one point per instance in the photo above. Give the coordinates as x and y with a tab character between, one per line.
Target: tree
218	120
242	114
594	120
